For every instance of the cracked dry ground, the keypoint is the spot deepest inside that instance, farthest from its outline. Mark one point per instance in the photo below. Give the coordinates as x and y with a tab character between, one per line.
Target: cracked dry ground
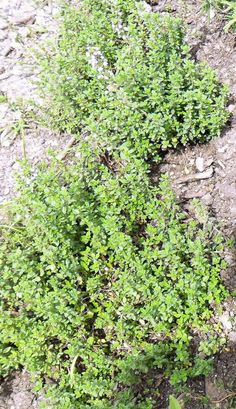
206	172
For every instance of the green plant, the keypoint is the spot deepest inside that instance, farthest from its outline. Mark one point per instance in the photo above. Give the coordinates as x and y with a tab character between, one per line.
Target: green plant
20	125
125	77
227	7
3	99
174	403
102	280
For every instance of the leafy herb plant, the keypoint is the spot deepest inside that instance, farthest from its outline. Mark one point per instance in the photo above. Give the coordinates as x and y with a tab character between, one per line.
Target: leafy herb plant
124	76
103	279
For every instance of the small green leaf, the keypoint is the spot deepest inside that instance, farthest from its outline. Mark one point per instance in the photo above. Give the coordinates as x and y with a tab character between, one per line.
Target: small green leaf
174	403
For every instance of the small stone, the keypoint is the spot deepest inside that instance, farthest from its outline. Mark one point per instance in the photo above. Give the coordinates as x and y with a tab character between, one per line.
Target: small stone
24	31
232	336
200	164
208	162
222	149
2	70
231	108
207	199
220	172
226	321
222	165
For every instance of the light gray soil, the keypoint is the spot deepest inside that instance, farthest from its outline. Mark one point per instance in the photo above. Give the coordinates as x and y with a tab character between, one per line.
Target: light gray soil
24	25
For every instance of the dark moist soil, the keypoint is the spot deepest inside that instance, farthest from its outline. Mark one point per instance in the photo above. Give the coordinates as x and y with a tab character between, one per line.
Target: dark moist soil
216	163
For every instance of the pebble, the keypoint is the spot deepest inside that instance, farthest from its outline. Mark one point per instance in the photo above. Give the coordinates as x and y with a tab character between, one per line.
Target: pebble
200	164
231	108
219	172
232	336
222	149
24	31
226	321
222	165
207	199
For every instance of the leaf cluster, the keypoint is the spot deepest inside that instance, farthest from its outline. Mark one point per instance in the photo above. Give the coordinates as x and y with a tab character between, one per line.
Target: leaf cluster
125	77
103	279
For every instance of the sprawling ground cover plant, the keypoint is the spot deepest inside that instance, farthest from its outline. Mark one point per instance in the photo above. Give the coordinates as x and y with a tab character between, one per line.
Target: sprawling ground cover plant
102	280
125	76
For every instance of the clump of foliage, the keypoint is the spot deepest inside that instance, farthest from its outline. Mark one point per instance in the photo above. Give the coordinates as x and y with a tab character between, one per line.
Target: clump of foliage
125	76
102	279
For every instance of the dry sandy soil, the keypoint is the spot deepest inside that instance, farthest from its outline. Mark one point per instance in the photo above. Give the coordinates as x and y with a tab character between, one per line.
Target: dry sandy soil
24	25
206	172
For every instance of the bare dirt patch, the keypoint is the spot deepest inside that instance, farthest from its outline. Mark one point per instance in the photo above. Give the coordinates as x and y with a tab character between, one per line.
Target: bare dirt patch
24	26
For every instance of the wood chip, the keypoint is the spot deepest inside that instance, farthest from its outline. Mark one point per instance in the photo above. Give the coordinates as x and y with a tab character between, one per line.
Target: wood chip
28	19
197	176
